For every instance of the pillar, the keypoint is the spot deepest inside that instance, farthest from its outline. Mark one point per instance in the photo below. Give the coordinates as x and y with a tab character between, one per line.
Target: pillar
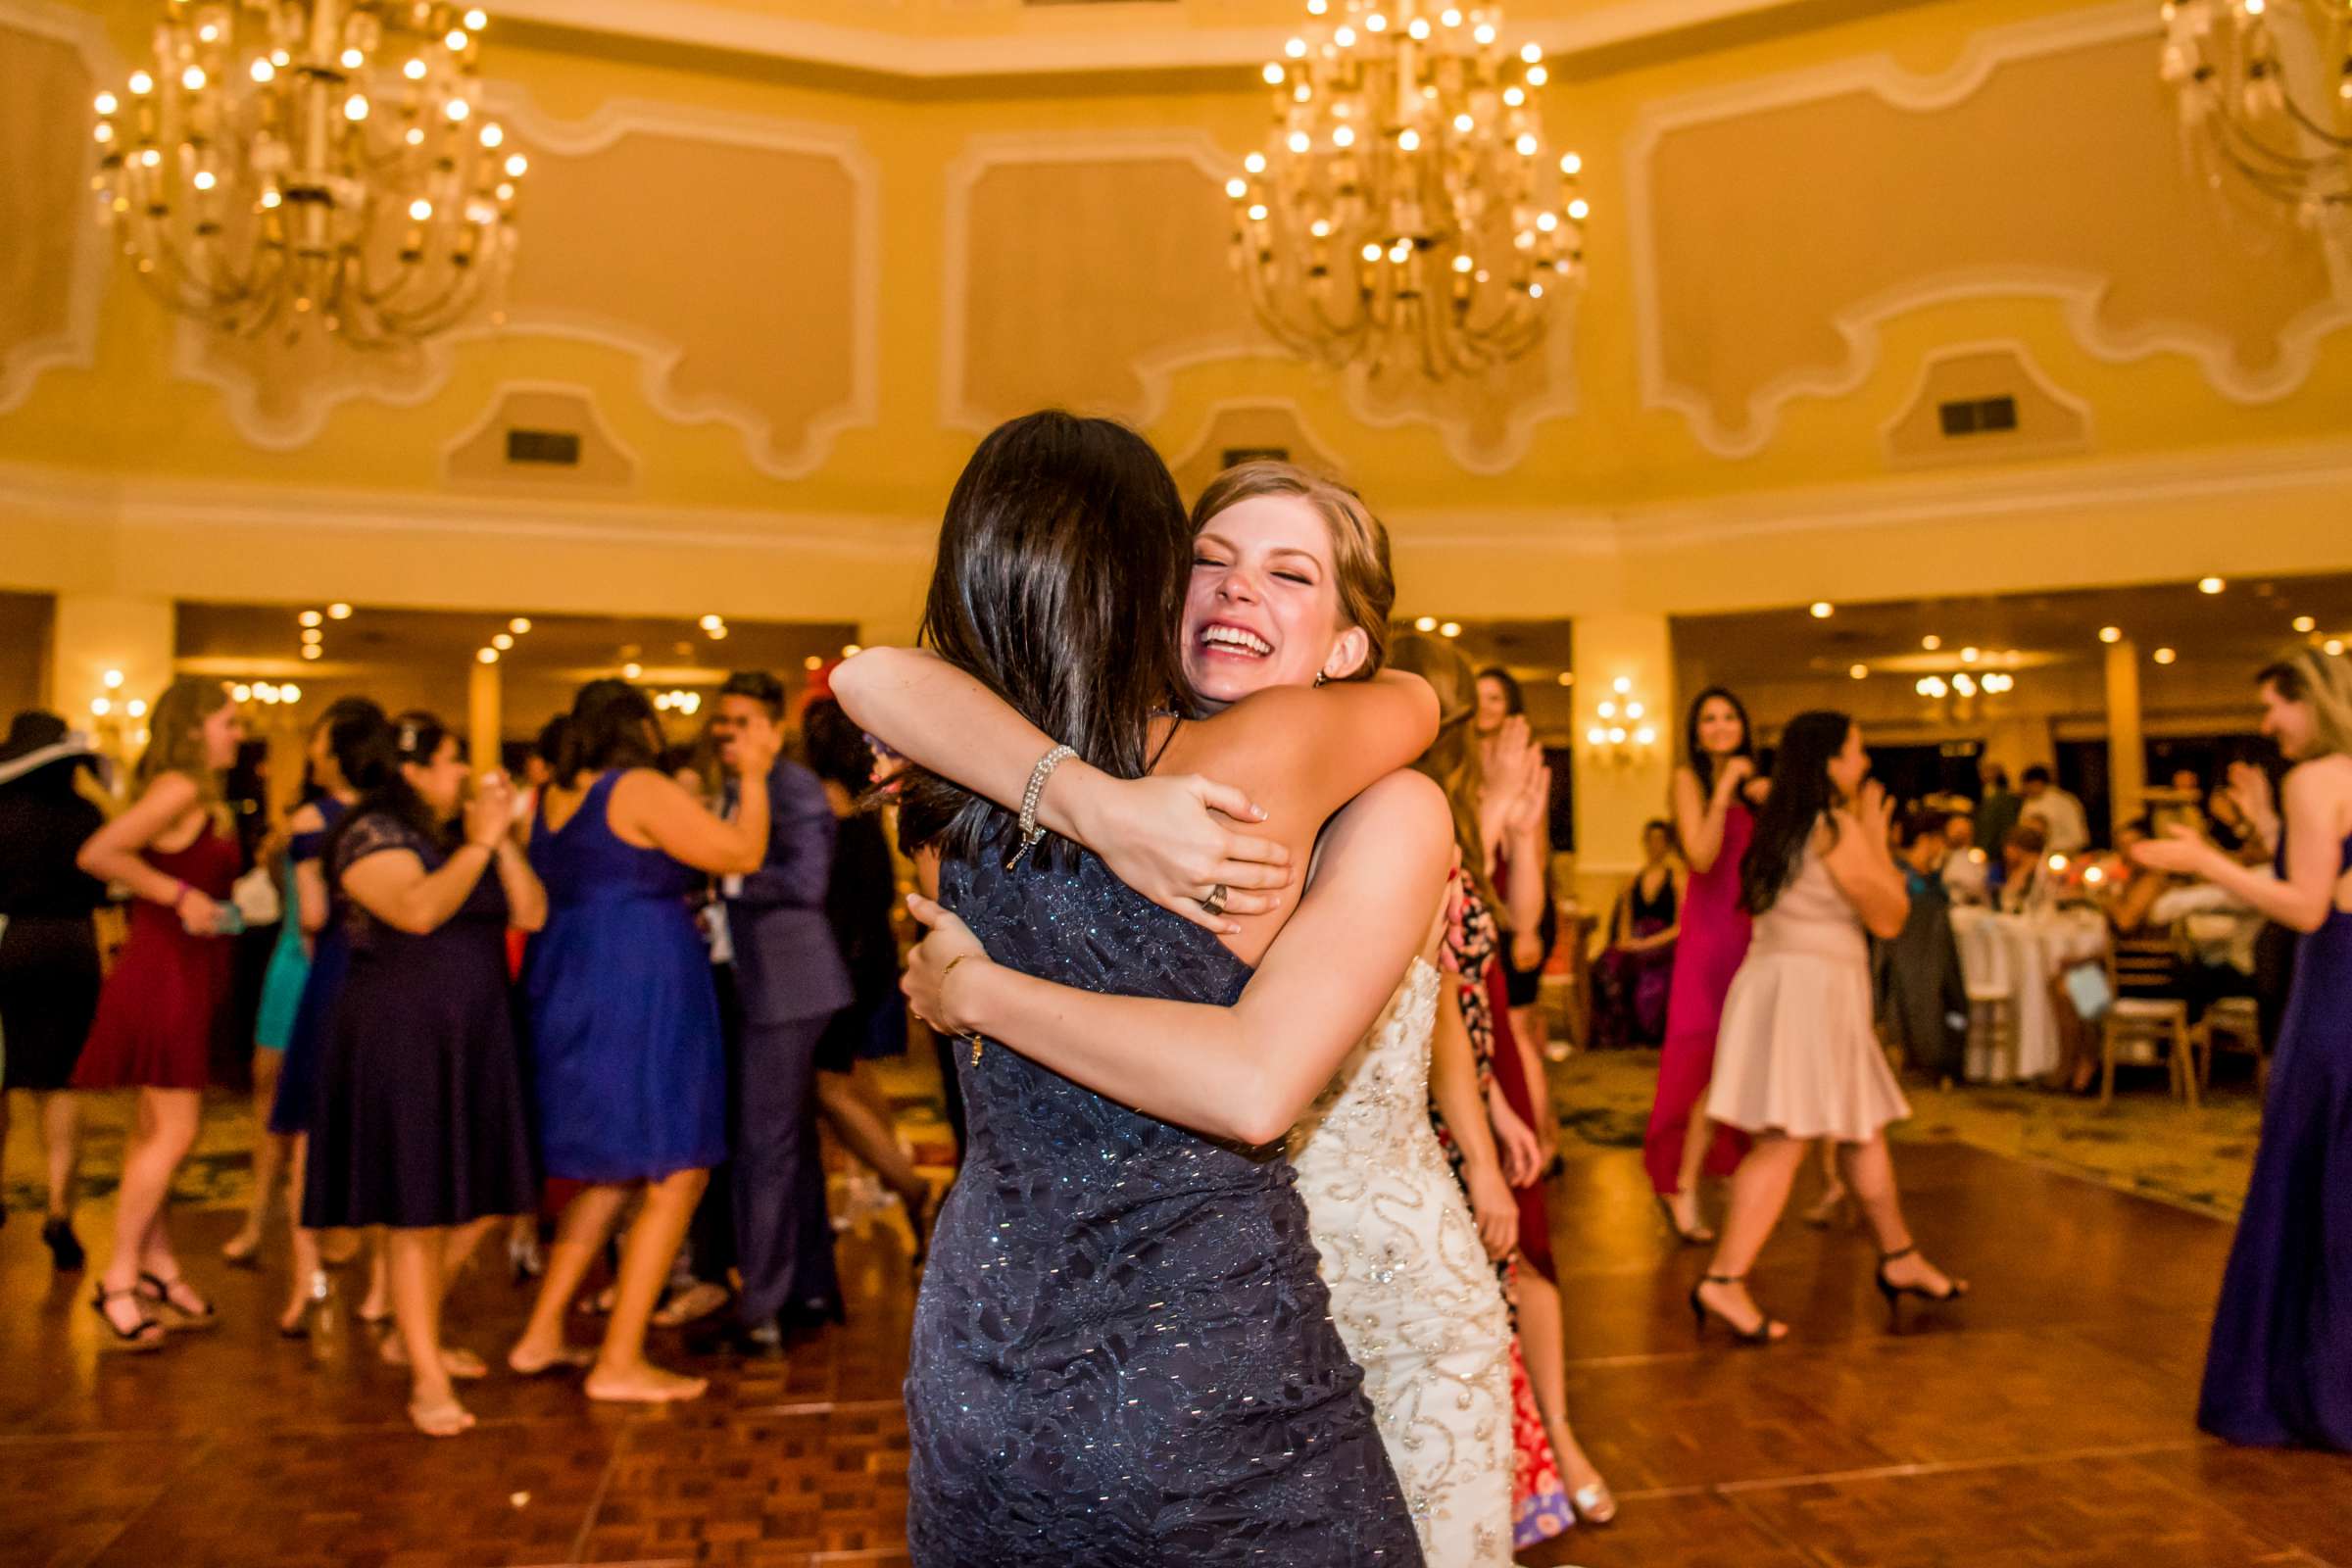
485	720
1622	661
95	636
2126	749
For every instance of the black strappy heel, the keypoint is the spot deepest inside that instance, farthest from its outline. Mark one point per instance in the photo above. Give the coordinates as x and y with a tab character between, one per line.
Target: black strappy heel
159	1291
148	1336
1952	1292
1698	1236
1700	1311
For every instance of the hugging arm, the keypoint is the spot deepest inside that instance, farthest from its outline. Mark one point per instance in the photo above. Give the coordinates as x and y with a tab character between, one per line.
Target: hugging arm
1243	1072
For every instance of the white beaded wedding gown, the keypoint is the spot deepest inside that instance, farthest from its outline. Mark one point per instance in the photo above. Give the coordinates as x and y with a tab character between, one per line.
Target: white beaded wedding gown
1412	1293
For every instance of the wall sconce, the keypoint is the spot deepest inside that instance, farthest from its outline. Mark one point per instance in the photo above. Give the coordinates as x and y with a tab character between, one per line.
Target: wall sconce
1621	736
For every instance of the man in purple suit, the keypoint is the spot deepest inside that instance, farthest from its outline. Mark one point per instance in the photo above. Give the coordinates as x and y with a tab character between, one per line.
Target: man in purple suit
789	980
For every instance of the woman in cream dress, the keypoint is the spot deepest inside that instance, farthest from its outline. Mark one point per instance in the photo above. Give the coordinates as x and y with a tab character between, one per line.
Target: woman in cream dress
1797	1057
1414	1291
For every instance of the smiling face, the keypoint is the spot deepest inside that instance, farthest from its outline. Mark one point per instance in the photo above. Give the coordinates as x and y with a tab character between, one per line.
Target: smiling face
1493	705
1263	606
2293	722
221	733
440	782
1720	732
1850	766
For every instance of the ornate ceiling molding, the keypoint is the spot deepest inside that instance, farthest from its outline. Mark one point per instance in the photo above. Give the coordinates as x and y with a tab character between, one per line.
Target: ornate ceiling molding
74	345
2080	296
657	353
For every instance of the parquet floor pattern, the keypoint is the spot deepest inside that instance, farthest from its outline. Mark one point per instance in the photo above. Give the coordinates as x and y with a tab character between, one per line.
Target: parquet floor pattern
2045	1424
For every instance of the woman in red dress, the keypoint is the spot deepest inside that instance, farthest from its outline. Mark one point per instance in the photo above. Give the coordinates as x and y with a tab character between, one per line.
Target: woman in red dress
1711	816
173	852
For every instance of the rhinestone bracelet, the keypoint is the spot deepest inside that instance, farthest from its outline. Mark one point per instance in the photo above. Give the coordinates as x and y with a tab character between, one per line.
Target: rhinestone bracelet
1030	831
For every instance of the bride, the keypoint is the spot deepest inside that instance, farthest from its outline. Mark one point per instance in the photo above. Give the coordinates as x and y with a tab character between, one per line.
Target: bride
1290	587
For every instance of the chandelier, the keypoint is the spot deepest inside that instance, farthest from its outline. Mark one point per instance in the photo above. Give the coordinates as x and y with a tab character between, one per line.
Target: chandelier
2267	85
1406	211
310	162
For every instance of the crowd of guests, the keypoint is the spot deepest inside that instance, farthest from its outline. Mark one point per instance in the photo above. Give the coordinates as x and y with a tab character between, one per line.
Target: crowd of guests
609	1005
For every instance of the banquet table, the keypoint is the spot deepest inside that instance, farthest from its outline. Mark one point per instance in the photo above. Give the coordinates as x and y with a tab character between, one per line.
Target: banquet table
2032	950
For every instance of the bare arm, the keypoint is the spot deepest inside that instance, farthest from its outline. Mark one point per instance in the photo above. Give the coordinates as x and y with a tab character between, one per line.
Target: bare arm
112	854
393	884
1699	819
1864	868
1243	1072
2303	898
526	896
648	806
1454	1087
309	877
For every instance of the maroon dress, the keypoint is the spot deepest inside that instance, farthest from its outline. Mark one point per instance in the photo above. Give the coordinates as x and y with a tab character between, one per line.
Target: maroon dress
154	1028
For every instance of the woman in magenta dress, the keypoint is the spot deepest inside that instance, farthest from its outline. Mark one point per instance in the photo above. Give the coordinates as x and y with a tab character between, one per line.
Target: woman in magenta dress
154	1029
2279	1370
1711	815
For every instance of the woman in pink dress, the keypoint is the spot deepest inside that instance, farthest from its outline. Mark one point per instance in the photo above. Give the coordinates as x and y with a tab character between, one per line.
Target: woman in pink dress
1711	800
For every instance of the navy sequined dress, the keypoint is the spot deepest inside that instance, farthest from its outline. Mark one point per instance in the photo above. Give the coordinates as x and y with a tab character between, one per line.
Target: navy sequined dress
1122	1352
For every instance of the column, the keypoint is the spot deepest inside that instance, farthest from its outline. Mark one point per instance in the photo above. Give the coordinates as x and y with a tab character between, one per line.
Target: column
112	652
1624	681
484	719
2126	749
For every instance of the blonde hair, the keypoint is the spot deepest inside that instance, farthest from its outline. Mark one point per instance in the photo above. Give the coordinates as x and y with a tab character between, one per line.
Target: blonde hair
1452	758
1359	543
2324	681
175	742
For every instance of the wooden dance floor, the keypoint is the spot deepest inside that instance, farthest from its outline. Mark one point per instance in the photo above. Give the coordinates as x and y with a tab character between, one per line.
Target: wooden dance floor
2047	1422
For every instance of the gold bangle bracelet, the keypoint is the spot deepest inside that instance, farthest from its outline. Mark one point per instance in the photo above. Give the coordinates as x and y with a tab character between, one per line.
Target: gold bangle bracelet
976	1040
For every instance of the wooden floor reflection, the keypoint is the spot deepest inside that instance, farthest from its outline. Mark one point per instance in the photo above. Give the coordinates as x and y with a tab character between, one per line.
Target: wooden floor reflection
2047	1422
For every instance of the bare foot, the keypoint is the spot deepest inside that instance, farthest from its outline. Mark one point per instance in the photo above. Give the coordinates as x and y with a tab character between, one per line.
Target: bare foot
642	1384
440	1419
239	1250
691	1305
1736	1307
530	1361
377	1308
456	1361
1588	1492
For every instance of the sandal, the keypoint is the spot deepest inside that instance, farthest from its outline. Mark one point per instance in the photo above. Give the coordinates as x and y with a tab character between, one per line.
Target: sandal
1768	1330
1952	1290
203	1315
149	1335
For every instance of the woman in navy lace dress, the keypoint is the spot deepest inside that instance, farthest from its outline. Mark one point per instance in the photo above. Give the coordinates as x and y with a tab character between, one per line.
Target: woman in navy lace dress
1123	1352
2279	1370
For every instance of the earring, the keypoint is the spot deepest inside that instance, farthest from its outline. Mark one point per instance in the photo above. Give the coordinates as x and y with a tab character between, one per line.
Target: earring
1322	679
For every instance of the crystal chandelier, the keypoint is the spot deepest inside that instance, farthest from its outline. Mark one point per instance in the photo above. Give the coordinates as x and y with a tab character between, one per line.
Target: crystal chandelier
2267	84
1405	213
310	162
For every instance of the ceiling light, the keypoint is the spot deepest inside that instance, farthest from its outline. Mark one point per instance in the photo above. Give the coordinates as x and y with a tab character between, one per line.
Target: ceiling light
310	618
1859	671
713	622
1822	610
2210	585
2306	623
1931	642
1969	656
2111	634
520	625
631	670
488	655
501	642
813	663
1452	628
1426	623
338	611
2165	655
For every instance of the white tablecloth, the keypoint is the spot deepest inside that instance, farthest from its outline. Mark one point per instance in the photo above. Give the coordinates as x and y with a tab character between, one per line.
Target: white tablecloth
2036	948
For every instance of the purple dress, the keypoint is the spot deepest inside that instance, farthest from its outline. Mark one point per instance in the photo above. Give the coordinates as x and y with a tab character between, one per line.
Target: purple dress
2279	1370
